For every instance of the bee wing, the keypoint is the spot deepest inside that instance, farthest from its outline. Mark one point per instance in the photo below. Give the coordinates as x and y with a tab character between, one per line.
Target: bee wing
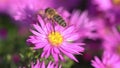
41	12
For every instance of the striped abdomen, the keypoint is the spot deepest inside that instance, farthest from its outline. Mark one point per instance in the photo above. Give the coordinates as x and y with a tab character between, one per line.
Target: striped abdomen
59	20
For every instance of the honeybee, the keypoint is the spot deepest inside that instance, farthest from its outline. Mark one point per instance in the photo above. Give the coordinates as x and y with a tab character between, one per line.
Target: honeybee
52	14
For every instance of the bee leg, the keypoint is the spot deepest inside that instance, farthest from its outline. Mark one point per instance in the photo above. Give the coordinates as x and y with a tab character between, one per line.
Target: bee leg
53	25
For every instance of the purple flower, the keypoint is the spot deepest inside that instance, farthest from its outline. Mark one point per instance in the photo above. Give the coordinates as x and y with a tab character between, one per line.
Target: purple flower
109	60
112	42
83	24
25	11
103	29
107	9
106	5
57	41
103	4
42	65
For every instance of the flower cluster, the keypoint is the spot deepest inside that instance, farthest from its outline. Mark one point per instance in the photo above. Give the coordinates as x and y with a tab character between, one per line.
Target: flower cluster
58	41
108	61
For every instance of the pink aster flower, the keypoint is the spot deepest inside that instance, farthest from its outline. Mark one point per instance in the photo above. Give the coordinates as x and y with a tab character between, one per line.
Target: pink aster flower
80	20
103	4
112	42
104	28
109	60
110	36
25	11
107	9
55	42
83	24
42	65
107	4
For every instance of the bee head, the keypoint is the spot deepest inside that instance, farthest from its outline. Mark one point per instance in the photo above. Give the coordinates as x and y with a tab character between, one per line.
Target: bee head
49	12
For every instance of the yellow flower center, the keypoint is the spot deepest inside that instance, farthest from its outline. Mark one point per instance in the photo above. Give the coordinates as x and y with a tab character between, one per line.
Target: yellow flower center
116	2
55	38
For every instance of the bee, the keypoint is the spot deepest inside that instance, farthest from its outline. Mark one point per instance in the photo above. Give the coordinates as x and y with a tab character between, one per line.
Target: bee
52	14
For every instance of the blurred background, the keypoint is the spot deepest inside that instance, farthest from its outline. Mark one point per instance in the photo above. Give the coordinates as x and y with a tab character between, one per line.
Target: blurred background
14	50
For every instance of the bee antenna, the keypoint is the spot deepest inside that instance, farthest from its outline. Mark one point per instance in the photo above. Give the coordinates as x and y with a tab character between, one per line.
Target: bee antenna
47	9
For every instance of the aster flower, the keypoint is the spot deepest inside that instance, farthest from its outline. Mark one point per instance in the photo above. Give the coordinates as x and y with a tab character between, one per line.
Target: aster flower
25	11
112	42
55	42
110	36
108	9
42	65
80	20
103	4
83	24
107	4
109	60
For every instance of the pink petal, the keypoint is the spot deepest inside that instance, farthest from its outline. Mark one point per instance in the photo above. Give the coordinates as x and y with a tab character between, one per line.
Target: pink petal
65	14
49	28
82	18
55	55
49	64
60	66
59	28
97	63
56	50
40	45
69	50
52	65
61	57
42	23
43	65
43	54
45	29
41	39
75	46
46	47
56	65
38	34
68	30
38	28
69	55
36	39
48	53
75	17
73	37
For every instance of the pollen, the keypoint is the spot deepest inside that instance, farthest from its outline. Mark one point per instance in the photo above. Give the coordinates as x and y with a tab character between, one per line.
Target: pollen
55	38
116	2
